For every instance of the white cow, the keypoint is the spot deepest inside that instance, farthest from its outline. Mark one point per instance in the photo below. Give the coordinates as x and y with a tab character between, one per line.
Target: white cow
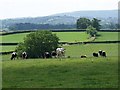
60	52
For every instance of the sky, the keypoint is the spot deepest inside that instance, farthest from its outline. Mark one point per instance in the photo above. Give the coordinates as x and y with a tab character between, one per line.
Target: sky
37	8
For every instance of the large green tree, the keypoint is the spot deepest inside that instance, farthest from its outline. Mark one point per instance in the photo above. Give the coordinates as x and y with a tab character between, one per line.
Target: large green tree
36	43
83	23
96	23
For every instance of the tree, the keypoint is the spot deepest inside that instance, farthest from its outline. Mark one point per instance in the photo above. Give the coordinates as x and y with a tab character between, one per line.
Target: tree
35	44
83	23
91	31
96	23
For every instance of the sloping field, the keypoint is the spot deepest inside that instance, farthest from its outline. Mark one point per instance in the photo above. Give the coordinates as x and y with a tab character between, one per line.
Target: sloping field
65	37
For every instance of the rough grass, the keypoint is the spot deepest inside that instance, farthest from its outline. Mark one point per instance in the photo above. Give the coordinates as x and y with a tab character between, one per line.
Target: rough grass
65	73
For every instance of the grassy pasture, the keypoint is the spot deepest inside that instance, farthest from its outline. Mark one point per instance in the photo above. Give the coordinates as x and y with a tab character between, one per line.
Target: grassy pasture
87	49
7	48
108	36
67	73
65	36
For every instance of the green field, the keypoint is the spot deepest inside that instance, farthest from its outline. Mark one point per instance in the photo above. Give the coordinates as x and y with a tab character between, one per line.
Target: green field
7	48
67	73
71	72
65	37
13	38
108	36
77	50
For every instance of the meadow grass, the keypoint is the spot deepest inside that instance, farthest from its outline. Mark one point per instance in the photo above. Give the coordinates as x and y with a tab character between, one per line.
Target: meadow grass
13	38
88	49
107	36
65	37
65	73
7	48
81	49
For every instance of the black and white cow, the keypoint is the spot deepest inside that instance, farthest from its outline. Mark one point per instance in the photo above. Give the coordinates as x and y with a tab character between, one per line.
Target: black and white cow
24	55
95	54
53	54
104	54
100	52
60	52
14	55
83	56
47	55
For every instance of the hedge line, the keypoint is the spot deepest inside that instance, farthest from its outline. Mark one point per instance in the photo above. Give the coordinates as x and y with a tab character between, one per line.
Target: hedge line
71	42
59	30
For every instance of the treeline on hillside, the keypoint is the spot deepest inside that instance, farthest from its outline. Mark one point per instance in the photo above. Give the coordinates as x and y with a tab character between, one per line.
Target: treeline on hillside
29	26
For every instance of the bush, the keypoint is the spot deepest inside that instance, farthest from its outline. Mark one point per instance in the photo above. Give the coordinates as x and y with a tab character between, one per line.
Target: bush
36	43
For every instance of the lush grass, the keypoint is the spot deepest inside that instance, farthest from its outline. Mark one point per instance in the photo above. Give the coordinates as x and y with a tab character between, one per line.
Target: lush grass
65	36
13	38
107	36
67	73
7	48
72	36
88	49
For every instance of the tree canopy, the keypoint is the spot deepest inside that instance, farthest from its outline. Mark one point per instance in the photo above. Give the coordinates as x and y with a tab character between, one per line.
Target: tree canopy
83	23
36	43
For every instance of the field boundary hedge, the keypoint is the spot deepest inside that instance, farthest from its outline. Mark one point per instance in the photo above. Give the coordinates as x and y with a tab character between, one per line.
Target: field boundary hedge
95	42
58	30
4	53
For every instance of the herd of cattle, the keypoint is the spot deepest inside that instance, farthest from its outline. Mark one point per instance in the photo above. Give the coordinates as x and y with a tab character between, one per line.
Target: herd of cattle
58	53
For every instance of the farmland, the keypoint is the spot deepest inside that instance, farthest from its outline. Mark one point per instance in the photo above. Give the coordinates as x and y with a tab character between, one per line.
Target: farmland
68	73
72	72
65	37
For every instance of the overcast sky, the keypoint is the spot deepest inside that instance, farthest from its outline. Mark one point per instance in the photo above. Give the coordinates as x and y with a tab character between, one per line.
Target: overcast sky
34	8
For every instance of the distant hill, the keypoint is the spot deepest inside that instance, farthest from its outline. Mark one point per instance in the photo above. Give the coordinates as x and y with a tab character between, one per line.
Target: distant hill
97	14
106	16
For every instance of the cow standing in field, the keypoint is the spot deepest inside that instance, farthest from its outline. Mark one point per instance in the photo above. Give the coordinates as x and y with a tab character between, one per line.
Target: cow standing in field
60	52
95	54
14	55
104	54
53	54
47	55
24	55
100	52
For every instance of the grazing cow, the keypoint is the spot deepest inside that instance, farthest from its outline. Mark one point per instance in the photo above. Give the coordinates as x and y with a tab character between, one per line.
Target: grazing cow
24	55
100	52
103	53
53	54
95	54
47	55
14	55
83	56
60	52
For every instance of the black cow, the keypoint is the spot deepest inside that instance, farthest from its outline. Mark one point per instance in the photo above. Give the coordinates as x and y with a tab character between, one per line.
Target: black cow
14	55
95	54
